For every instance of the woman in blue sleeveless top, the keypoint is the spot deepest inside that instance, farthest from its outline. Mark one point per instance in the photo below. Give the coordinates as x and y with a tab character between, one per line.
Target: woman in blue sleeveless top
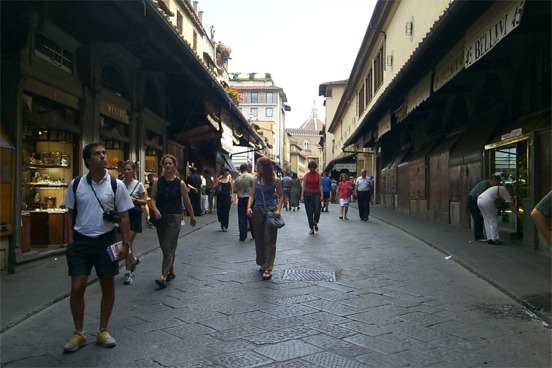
266	195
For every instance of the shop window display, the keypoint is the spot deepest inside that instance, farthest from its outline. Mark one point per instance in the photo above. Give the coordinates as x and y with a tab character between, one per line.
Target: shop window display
508	160
48	167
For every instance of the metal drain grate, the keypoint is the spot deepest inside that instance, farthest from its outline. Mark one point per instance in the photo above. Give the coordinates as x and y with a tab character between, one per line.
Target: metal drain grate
309	275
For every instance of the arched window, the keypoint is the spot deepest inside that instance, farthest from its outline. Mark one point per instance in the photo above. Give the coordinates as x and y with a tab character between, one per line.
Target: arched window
112	80
306	145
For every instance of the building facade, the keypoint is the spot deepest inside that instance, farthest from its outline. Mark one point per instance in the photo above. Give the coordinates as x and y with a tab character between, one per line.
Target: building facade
448	94
306	140
262	101
120	72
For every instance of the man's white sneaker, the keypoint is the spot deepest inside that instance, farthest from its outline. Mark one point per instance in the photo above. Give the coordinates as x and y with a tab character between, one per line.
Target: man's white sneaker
76	341
105	339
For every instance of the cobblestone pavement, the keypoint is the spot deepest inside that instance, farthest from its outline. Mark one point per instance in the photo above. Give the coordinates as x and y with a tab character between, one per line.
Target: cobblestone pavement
356	294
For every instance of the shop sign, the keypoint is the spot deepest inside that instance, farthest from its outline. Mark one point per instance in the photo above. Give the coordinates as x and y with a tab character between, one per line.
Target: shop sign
226	141
514	133
449	68
115	112
348	167
493	32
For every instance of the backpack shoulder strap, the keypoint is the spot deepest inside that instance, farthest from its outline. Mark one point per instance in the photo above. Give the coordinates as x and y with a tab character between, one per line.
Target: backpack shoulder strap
114	188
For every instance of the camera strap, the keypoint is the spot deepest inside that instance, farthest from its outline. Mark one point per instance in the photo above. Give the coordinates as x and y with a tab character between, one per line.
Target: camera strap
76	184
95	195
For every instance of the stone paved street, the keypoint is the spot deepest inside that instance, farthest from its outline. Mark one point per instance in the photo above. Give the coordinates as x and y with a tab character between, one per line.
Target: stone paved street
395	302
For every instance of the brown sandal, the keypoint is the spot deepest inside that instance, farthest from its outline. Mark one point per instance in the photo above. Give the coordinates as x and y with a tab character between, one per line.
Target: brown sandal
162	282
267	275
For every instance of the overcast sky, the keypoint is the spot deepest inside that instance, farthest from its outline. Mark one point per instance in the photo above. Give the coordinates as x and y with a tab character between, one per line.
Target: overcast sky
301	43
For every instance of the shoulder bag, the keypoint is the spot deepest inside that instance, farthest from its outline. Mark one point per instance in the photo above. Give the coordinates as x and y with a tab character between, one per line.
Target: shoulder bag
273	221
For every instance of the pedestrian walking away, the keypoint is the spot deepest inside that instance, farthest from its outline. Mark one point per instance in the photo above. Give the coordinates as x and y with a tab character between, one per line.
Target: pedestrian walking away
311	195
294	192
363	193
486	203
242	187
333	195
286	188
344	189
472	206
326	190
266	195
168	194
224	188
209	181
194	183
97	203
135	215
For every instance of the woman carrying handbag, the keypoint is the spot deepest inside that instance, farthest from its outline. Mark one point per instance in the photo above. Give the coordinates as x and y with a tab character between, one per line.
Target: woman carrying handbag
266	195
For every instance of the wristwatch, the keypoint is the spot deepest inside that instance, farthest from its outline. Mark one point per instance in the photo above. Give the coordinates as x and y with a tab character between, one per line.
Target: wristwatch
126	244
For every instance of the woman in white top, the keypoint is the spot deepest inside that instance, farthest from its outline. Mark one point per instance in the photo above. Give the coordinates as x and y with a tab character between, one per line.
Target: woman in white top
137	193
485	202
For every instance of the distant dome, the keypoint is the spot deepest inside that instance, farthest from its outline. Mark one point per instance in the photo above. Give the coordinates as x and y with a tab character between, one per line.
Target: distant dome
313	123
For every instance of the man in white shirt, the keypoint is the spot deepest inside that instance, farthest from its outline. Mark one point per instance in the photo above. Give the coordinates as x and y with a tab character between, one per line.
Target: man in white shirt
97	202
363	192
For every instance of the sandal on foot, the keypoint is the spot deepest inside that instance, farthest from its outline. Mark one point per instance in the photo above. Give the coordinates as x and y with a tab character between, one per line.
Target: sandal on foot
161	282
171	276
267	275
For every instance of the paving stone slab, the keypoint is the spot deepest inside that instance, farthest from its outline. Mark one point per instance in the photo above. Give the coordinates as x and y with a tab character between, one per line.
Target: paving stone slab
331	360
367	301
378	360
291	310
294	299
336	308
423	319
178	355
287	350
242	359
190	329
288	322
417	332
156	325
233	345
273	337
376	344
329	318
240	332
365	328
293	363
336	331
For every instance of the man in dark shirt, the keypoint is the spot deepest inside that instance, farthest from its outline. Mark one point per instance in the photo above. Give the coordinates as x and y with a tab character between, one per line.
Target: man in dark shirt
194	182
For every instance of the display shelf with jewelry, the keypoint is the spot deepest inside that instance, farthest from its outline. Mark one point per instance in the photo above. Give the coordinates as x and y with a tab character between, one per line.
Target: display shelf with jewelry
48	168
